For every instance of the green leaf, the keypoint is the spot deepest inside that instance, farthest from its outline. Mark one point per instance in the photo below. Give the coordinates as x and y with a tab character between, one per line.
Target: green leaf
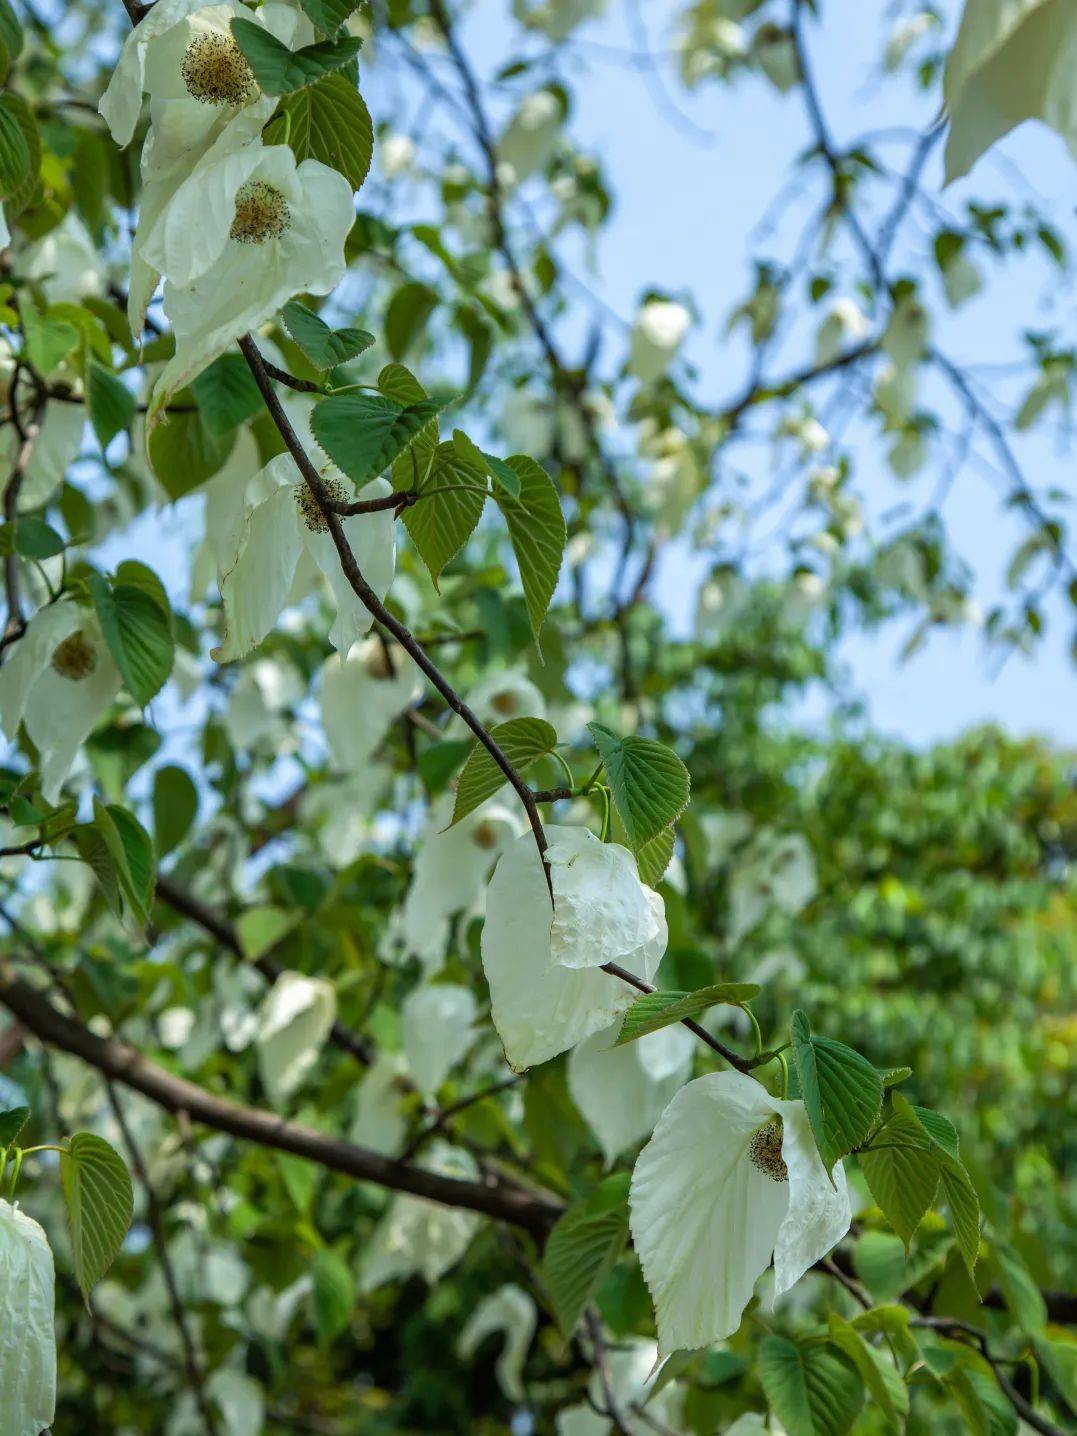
364	433
881	1264
811	1388
329	122
654	856
964	1207
11	1124
324	347
1022	1296
34	538
879	1375
328	15
940	1129
279	70
100	1202
440	761
138	632
227	394
48	341
522	740
334	1295
894	1076
183	451
655	1010
10	30
110	403
841	1089
650	784
583	1248
441	523
15	158
504	476
903	1173
175	806
130	849
537	530
406	316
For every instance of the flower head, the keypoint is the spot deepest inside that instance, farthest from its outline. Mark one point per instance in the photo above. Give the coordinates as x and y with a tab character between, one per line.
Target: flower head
730	1177
59	679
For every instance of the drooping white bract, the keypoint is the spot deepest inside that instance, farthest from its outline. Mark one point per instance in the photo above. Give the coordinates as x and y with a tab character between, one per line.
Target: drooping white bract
248	229
378	1122
58	679
511	1311
360	700
418	1236
1013	60
656	337
721	1186
631	1366
777	870
530	138
602	912
622	1091
497	697
240	1400
438	1026
65	263
293	1024
54	450
203	99
28	1348
268	544
451	867
540	1006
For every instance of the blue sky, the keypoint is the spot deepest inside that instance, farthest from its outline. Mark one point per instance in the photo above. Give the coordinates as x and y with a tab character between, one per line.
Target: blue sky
687	204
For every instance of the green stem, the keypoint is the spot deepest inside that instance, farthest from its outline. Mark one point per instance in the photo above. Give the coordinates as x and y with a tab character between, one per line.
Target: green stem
556	756
785	1076
755	1028
605	793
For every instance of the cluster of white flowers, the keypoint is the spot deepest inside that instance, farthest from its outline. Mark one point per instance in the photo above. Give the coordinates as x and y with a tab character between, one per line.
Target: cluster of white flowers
233	226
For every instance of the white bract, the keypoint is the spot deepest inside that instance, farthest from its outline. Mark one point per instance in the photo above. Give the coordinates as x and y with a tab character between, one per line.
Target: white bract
500	696
449	875
439	1026
203	98
731	1177
54	450
28	1348
360	700
540	1006
294	1022
243	233
530	138
417	1236
59	679
378	1122
602	912
511	1311
274	535
658	333
65	263
1013	60
240	1400
777	871
622	1091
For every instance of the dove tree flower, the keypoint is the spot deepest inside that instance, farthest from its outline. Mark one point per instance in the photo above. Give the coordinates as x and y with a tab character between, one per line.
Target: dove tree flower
244	232
622	1091
731	1177
59	679
28	1350
293	1024
546	986
276	526
203	99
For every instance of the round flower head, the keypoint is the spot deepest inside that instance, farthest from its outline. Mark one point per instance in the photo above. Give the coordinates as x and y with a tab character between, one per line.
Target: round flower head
730	1177
245	232
543	1005
203	99
59	679
270	532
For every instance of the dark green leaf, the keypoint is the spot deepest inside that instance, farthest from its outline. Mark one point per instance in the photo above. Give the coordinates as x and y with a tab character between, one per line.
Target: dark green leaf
97	1191
583	1247
175	806
227	394
522	740
406	317
841	1089
649	783
811	1388
183	452
364	433
138	632
324	347
110	403
334	1294
15	159
11	1124
655	1010
536	527
329	122
328	15
279	70
34	538
440	524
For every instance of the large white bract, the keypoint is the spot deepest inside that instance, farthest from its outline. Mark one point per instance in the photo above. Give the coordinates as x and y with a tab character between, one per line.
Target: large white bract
28	1346
622	1091
720	1188
540	1006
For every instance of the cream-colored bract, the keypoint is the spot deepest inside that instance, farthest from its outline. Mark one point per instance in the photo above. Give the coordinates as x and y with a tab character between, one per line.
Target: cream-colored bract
183	128
28	1346
706	1219
602	912
658	333
510	1311
228	286
421	1237
622	1091
540	1007
438	1021
1013	60
360	700
278	528
60	709
293	1025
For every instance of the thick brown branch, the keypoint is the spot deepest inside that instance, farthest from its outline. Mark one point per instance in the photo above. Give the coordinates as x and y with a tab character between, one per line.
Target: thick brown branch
175	1094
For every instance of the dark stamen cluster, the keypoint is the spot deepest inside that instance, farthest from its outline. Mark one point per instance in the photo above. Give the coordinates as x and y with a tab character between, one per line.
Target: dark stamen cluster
261	213
216	72
765	1151
75	658
308	504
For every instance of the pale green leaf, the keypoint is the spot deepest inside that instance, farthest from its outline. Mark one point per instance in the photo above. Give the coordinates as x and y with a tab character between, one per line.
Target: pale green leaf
811	1388
522	740
99	1199
583	1248
649	783
655	1010
110	403
536	527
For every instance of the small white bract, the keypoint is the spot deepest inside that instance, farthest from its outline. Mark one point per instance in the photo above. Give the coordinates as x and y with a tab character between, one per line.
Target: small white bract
421	1237
511	1311
715	1194
293	1025
438	1022
602	912
28	1348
